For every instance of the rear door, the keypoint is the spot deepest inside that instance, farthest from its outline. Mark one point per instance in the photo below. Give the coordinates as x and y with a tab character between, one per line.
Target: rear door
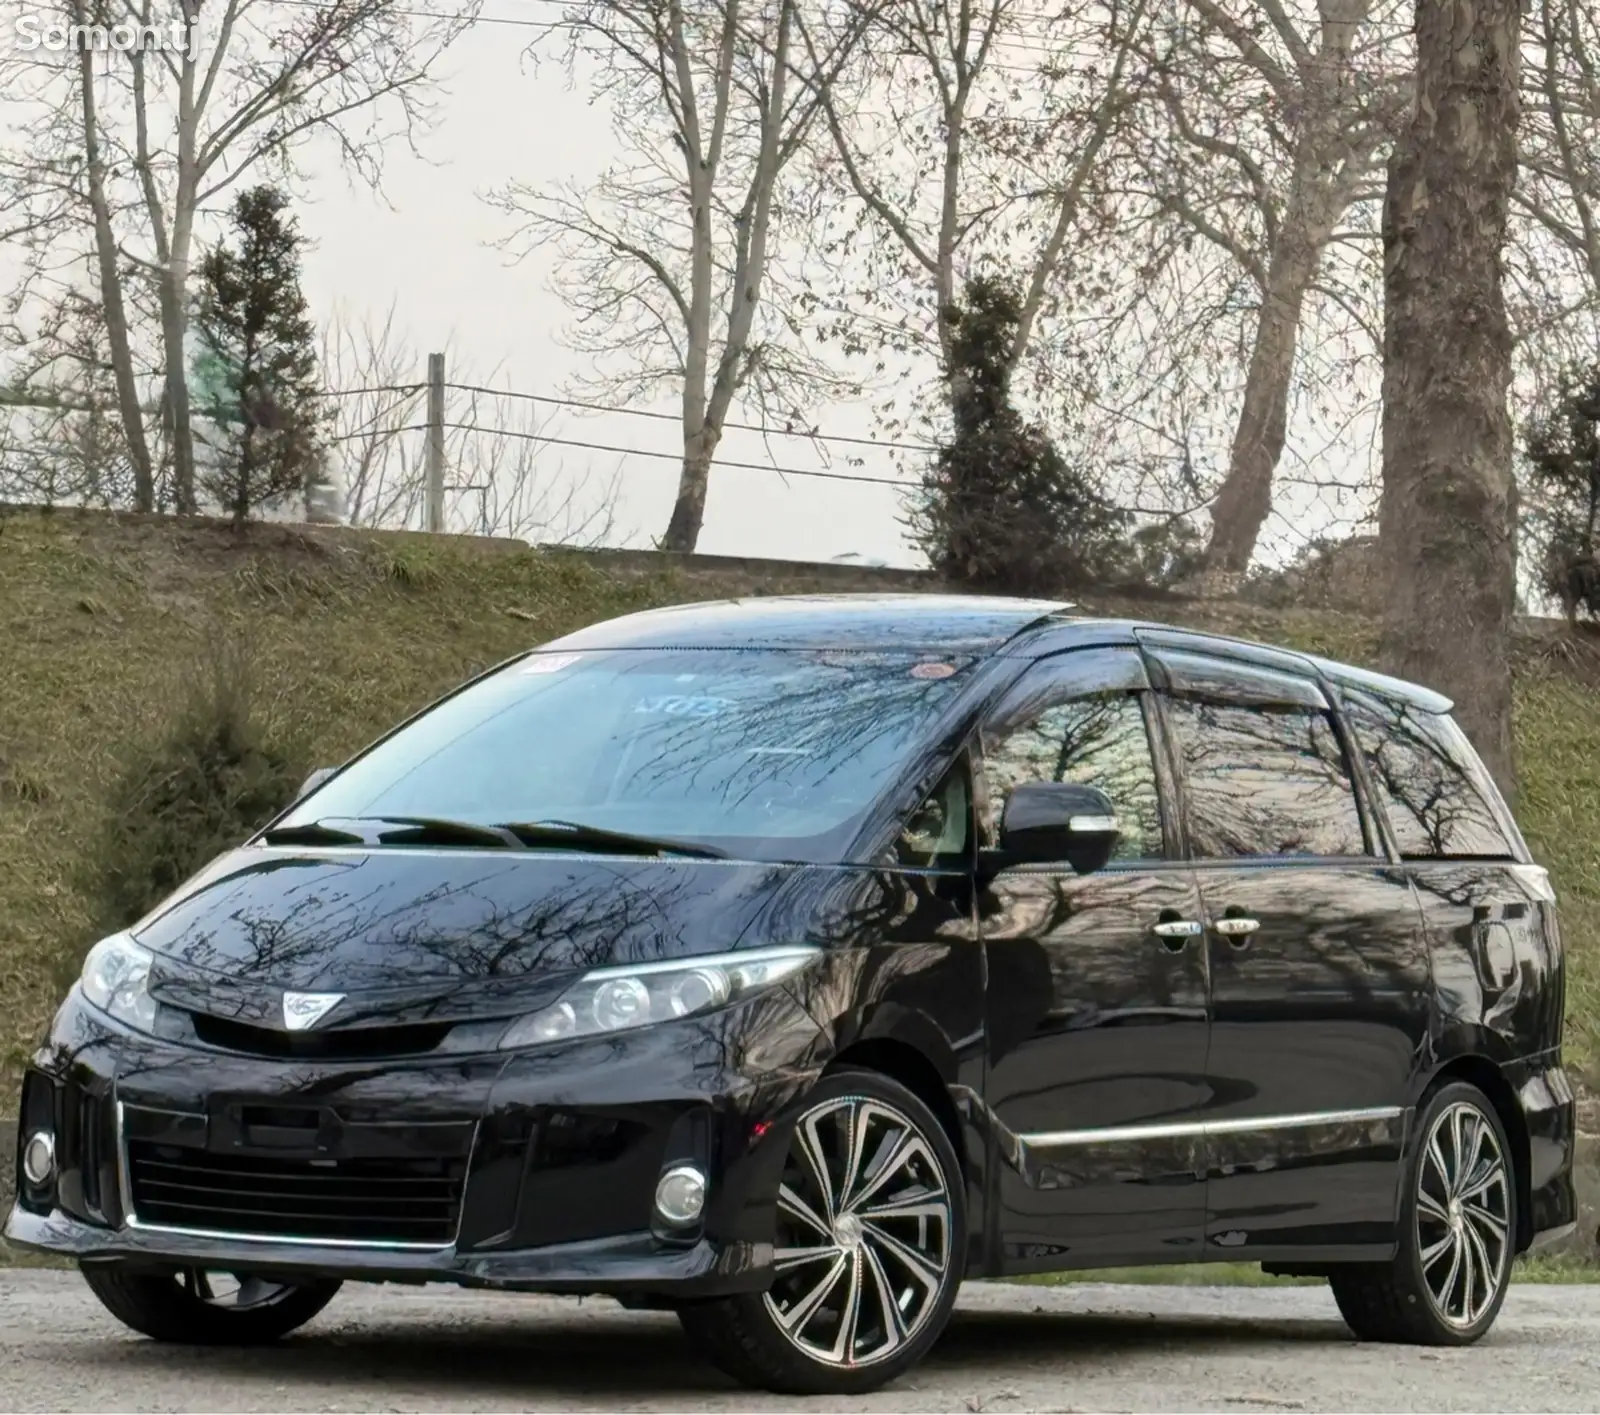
1319	970
1096	998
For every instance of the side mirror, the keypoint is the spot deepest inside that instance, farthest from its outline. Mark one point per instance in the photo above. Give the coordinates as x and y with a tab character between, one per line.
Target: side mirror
321	774
1050	822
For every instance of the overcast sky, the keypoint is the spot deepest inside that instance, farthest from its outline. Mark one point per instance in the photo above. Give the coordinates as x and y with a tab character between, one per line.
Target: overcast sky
431	254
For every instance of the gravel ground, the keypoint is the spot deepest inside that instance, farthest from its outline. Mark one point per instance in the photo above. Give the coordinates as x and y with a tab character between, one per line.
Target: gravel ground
1010	1348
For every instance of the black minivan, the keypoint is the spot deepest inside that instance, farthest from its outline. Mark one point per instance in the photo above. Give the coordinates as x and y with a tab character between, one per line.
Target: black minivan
783	963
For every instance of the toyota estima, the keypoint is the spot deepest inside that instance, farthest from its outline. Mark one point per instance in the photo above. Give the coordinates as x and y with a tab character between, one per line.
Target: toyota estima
786	963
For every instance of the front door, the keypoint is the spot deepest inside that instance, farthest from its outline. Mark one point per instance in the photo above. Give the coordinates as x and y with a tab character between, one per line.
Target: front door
1096	999
1319	968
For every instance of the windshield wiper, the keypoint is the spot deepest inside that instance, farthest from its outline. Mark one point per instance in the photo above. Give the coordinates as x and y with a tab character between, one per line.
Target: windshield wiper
432	830
312	833
589	837
394	830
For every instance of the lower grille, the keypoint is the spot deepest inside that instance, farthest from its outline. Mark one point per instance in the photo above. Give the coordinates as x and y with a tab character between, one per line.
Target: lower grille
411	1201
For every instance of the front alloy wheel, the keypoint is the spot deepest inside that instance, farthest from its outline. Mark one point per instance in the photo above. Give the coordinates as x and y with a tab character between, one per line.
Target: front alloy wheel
868	1230
1458	1230
863	1251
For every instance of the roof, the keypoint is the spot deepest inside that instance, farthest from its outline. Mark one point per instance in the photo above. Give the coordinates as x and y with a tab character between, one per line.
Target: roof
913	622
975	624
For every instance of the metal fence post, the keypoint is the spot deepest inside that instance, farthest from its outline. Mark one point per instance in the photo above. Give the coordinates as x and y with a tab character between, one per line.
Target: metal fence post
434	519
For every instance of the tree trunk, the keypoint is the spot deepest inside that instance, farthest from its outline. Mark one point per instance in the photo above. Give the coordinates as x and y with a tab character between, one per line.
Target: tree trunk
1245	500
689	511
174	324
111	301
179	424
1314	205
1448	514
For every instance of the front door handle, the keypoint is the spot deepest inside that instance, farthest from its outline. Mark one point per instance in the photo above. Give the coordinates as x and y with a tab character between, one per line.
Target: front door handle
1236	928
1176	933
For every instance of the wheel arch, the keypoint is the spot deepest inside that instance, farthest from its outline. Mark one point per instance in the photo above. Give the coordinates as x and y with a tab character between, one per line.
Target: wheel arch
900	1060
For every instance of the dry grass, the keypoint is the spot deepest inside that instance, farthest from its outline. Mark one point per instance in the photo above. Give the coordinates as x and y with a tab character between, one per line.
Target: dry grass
100	617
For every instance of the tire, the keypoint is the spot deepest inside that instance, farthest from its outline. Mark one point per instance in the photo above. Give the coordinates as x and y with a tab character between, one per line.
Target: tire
897	1275
1449	1276
174	1306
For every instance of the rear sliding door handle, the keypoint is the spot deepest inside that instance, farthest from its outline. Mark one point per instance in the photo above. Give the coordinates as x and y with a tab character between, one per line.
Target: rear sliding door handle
1176	933
1236	929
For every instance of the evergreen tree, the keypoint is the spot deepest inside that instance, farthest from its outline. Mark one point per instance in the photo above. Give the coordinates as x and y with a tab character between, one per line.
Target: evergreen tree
1561	451
257	375
1000	508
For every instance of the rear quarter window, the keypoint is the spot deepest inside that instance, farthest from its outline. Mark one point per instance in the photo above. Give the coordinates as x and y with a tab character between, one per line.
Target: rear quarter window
1424	780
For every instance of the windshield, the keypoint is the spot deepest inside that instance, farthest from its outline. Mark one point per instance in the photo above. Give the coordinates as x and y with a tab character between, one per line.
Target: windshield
764	754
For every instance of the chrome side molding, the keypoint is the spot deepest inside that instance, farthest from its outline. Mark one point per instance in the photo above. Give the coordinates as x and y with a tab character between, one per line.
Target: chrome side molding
1199	1130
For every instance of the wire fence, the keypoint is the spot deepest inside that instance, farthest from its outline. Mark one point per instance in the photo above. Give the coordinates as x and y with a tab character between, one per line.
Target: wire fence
464	455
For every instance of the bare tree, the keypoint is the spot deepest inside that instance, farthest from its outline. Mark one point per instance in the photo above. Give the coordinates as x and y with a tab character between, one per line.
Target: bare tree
61	439
1276	118
124	152
1448	514
1554	268
672	259
501	478
509	483
377	405
963	134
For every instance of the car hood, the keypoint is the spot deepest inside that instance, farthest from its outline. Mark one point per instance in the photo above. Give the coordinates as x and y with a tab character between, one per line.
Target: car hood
437	933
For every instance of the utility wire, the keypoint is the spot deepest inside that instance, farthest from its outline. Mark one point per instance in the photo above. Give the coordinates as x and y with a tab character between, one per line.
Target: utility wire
676	456
674	417
641	452
1013	42
412	389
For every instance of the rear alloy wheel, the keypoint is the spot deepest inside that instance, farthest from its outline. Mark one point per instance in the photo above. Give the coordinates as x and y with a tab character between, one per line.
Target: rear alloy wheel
1458	1233
202	1307
869	1243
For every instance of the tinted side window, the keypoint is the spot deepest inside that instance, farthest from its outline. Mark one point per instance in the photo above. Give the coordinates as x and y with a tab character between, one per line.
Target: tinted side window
1099	740
1264	780
1435	809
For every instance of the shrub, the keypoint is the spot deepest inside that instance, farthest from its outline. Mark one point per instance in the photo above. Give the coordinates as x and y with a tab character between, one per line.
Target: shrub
1159	555
1561	455
257	381
1000	508
218	771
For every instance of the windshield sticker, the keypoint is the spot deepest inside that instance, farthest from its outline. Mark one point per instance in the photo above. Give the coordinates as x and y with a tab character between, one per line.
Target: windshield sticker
677	705
550	662
933	670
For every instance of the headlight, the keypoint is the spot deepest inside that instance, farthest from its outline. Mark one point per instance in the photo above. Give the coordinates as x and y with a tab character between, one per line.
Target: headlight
116	979
620	999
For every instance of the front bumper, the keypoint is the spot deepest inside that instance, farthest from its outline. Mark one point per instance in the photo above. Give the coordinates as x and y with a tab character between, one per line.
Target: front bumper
530	1170
632	1263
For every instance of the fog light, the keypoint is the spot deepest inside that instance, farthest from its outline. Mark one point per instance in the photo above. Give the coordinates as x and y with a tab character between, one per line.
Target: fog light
681	1195
39	1158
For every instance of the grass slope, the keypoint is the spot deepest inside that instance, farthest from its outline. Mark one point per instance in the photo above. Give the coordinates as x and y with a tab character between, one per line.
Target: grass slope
101	620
